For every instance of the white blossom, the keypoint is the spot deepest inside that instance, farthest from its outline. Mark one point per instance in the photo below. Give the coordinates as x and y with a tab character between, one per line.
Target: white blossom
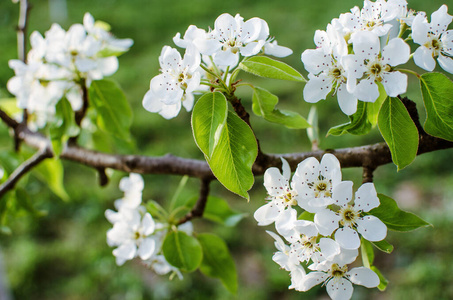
371	65
314	182
180	77
434	39
351	217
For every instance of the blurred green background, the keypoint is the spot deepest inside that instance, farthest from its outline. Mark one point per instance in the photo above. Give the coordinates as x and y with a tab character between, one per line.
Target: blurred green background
64	254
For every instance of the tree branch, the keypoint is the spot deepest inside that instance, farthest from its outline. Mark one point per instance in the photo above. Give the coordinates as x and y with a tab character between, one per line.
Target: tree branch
370	156
25	167
198	210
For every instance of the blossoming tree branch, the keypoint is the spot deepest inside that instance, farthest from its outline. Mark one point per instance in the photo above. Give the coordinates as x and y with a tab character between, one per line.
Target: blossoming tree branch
63	100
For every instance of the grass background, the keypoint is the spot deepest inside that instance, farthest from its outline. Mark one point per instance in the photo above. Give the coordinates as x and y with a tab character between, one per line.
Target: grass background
64	254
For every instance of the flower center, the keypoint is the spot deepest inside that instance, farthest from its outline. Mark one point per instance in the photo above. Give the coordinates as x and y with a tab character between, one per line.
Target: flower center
376	68
348	216
337	272
289	198
434	44
322	187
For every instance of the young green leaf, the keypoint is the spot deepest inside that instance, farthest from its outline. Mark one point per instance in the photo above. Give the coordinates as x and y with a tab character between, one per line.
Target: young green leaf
51	172
232	159
209	117
217	261
114	114
358	124
367	251
383	281
395	218
398	131
63	127
264	104
267	67
374	107
437	90
307	216
383	246
182	251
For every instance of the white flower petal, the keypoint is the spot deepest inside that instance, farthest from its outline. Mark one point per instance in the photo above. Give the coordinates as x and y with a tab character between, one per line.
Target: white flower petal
329	248
440	20
396	52
317	88
326	221
310	280
342	193
367	90
366	197
126	251
347	238
315	60
339	289
146	248
446	63
364	276
306	228
330	168
148	224
365	44
371	228
420	29
395	83
423	57
346	100
274	182
266	214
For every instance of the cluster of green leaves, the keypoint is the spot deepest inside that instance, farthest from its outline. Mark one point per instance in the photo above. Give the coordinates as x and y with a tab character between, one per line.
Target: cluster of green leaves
227	142
204	251
396	124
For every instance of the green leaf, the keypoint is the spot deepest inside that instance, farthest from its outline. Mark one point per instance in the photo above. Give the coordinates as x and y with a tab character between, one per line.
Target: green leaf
156	210
395	218
307	216
232	159
437	90
264	104
182	251
50	172
383	246
313	131
358	123
383	281
217	261
176	200
209	117
9	105
217	210
63	127
398	131
374	107
114	114
267	67
367	252
24	200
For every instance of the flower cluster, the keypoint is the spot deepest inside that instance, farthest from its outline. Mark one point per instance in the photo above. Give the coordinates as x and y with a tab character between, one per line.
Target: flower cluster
135	233
208	54
61	63
377	48
330	242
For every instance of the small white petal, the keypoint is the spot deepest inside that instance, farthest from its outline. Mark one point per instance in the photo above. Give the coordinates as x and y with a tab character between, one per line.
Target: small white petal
317	89
397	52
310	280
366	197
364	276
148	224
420	29
330	168
371	228
395	83
446	63
365	44
126	251
342	193
315	60
423	57
339	289
347	238
346	100
306	228
146	248
326	221
367	90
266	214
440	20
329	248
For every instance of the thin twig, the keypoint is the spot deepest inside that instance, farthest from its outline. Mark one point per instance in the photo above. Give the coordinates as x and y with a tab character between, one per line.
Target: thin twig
367	174
23	169
198	210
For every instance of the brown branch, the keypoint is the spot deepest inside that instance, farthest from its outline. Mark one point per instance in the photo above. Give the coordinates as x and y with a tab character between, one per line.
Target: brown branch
23	169
370	156
198	210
